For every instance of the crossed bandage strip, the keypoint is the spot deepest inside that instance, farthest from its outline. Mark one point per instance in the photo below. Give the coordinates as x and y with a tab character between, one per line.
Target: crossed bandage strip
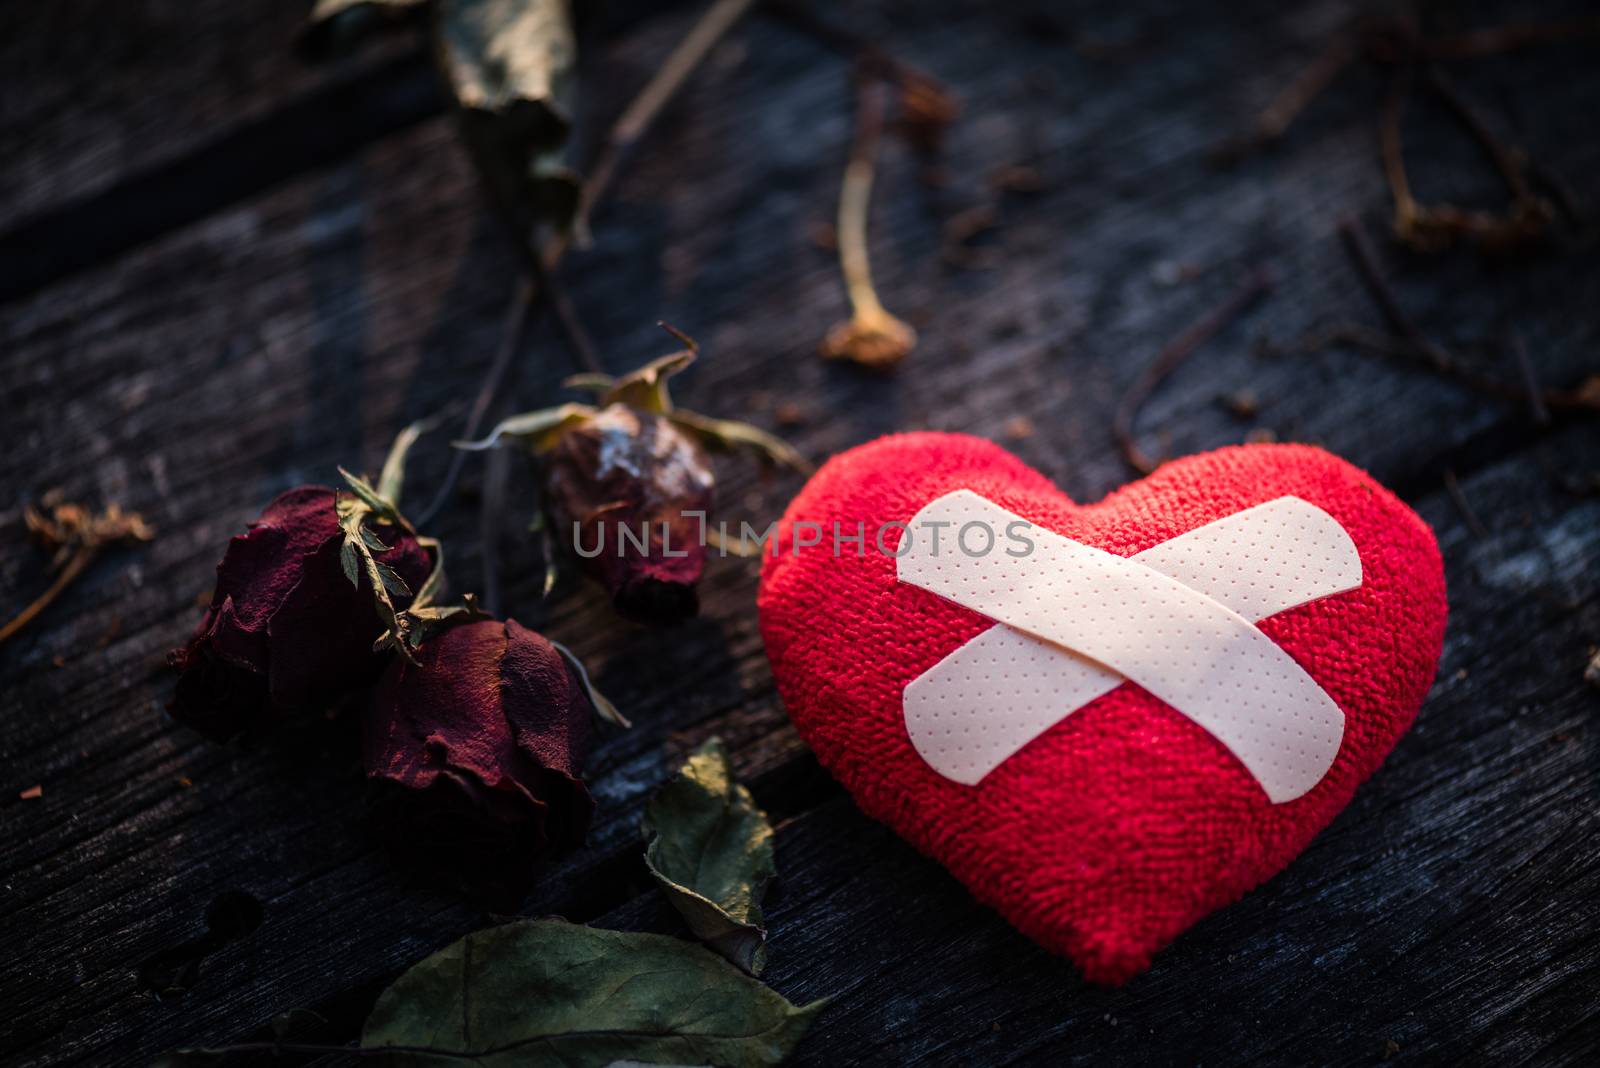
1075	622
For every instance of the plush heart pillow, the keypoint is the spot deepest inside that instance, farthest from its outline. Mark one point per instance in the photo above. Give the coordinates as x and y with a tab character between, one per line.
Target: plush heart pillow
998	708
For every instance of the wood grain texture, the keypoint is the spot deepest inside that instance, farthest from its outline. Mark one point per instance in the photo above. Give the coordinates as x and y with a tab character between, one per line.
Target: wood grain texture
1454	909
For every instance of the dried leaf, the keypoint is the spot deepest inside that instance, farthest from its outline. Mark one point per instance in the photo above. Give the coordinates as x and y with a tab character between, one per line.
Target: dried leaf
369	495
551	992
590	382
728	435
510	64
392	480
539	428
350	560
602	704
711	851
646	388
374	542
391	580
435	580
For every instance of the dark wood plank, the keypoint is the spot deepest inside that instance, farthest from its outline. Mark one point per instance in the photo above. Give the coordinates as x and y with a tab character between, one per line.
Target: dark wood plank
95	93
255	349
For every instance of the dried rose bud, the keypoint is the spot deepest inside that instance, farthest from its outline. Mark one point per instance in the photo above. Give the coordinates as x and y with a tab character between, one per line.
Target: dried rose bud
286	630
477	747
624	467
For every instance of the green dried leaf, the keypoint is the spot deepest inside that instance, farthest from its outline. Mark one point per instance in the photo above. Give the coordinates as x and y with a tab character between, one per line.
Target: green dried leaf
646	388
368	494
711	851
392	480
539	429
602	705
590	382
372	540
350	560
337	26
435	580
728	435
391	580
510	65
547	992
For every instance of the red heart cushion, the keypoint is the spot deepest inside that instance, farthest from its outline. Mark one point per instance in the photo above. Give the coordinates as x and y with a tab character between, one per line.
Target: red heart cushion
1109	834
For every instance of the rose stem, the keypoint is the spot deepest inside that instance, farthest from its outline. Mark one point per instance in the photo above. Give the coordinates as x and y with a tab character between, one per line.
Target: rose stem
516	319
628	130
1252	289
855	195
75	567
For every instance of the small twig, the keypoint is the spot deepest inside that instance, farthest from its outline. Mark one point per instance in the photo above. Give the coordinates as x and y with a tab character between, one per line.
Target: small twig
1360	250
1252	289
626	132
1428	227
76	538
1394	164
579	340
871	336
636	120
1585	397
75	567
1582	398
1530	381
1459	498
1505	160
960	229
1276	118
516	320
1399	42
1498	39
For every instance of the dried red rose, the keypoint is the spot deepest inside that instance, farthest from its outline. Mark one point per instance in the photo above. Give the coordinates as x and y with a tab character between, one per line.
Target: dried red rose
622	469
628	486
477	748
287	629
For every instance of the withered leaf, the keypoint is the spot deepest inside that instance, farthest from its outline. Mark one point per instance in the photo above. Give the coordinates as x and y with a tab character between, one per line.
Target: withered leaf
602	704
730	435
539	429
374	542
393	477
350	560
711	851
510	65
540	992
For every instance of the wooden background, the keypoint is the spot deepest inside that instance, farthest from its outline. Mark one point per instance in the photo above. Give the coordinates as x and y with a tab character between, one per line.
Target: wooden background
223	272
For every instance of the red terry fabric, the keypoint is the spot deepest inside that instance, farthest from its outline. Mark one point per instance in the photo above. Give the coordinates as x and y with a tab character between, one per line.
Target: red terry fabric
1111	833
